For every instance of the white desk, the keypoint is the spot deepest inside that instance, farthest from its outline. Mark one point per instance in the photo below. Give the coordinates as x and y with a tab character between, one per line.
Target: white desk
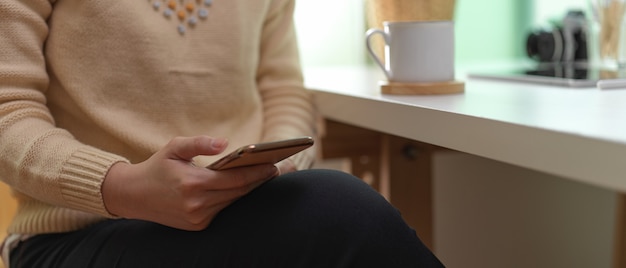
578	134
574	133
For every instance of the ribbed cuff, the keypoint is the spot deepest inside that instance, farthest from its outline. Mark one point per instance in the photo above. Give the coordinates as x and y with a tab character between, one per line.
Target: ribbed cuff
82	176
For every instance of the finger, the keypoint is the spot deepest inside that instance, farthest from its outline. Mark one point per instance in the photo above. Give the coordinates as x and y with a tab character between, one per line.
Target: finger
186	148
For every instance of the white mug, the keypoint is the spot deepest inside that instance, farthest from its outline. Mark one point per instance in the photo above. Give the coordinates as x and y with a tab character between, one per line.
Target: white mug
416	51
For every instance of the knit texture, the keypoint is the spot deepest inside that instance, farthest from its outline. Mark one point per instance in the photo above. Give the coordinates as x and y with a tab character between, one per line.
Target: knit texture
86	83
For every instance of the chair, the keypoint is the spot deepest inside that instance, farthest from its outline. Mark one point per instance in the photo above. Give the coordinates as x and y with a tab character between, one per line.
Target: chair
8	206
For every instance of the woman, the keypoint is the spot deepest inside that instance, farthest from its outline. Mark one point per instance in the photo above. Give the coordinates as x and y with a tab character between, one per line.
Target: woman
109	111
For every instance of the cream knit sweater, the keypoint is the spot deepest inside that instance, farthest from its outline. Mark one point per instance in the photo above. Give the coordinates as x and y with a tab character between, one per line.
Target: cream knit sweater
87	83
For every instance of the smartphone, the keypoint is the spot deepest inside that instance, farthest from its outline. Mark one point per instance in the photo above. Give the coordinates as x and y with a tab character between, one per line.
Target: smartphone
262	153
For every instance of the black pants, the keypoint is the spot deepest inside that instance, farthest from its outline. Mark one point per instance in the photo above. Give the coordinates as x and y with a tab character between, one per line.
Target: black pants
314	218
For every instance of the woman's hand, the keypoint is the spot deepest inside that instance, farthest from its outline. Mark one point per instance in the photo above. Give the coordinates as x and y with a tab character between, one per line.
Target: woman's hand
168	189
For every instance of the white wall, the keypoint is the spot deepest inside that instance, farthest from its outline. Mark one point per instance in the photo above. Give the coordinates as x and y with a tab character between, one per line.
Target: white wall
331	32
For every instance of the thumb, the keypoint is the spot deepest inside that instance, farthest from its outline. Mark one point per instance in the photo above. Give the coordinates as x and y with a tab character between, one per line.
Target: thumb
186	148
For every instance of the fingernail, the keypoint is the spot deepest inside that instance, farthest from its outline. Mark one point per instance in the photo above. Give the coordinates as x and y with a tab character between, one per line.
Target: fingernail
273	172
218	143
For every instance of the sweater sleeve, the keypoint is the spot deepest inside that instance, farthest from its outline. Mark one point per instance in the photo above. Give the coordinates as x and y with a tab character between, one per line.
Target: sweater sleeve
287	105
38	159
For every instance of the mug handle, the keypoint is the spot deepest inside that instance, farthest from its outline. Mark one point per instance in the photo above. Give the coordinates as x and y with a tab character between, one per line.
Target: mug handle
368	37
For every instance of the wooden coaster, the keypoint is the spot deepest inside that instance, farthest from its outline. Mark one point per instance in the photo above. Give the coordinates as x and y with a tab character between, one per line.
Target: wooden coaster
435	88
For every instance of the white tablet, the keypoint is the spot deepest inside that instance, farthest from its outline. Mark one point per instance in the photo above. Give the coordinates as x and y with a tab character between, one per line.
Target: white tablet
574	75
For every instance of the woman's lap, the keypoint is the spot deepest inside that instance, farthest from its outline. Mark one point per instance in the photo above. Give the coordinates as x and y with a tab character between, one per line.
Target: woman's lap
315	218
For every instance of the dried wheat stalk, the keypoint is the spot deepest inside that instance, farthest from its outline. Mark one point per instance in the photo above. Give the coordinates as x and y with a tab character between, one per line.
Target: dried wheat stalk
610	15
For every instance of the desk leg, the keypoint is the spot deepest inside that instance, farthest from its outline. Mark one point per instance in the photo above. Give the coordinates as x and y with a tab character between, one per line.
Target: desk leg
410	184
400	169
361	146
619	246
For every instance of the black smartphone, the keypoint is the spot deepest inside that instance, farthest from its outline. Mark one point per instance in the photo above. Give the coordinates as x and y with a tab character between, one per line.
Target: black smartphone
262	153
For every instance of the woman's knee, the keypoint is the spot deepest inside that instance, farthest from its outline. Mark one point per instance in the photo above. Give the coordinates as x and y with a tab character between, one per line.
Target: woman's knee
327	195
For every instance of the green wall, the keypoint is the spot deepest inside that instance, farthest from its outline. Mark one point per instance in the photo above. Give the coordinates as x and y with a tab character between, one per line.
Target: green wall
491	30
